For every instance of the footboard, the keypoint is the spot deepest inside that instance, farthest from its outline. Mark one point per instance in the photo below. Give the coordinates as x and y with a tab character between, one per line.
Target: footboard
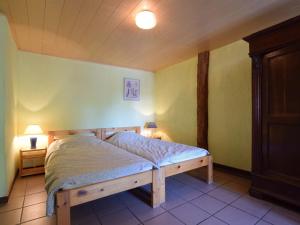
181	167
67	198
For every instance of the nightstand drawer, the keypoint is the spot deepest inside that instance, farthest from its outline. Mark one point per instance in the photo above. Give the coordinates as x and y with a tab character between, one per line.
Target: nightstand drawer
33	154
33	170
33	162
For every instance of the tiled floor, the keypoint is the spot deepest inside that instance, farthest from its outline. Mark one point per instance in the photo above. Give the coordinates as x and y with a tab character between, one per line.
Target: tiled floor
189	201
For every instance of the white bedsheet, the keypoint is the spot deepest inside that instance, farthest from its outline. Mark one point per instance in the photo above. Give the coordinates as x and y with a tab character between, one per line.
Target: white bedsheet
161	153
79	161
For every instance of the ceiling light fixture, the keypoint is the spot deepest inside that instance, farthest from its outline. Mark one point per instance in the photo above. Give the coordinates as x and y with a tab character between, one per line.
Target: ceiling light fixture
145	20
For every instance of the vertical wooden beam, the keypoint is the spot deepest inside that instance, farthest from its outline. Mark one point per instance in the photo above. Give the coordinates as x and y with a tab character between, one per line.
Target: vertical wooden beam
202	99
158	187
210	170
63	208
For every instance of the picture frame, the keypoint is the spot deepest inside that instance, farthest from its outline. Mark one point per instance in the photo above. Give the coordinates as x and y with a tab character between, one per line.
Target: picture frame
131	89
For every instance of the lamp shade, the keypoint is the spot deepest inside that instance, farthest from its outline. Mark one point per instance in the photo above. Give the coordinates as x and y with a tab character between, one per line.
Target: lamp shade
151	125
33	130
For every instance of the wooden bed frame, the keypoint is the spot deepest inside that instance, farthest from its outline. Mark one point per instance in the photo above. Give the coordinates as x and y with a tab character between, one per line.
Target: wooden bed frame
65	199
172	169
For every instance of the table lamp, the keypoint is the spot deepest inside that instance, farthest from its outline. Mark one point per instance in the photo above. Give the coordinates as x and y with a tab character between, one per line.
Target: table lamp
151	126
33	130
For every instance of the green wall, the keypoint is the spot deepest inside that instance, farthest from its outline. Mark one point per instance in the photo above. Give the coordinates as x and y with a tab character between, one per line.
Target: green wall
3	57
229	104
176	103
68	94
8	123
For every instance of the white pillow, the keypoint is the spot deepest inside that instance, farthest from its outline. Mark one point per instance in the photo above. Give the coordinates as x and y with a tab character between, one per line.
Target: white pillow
85	134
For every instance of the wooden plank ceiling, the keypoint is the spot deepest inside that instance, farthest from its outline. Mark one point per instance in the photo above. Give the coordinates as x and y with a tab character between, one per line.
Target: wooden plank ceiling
104	31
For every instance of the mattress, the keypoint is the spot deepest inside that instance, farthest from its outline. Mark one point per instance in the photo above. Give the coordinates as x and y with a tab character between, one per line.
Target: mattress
78	161
161	153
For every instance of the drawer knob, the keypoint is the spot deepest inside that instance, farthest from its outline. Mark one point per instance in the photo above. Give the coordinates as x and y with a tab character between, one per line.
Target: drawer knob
201	160
102	189
82	192
179	167
135	181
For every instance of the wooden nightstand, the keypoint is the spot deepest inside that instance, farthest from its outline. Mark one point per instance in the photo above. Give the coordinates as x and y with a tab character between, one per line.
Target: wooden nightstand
34	158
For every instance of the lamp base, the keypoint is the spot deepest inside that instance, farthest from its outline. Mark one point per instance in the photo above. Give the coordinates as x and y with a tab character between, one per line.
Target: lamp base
33	142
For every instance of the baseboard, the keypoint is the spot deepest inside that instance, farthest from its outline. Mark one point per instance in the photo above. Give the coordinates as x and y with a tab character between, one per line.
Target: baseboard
233	171
4	199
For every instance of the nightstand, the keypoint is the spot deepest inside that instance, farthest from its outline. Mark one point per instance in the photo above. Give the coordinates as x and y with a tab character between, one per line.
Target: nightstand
32	161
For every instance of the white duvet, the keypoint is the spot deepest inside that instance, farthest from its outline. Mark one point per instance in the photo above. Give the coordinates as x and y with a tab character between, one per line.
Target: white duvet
77	161
161	153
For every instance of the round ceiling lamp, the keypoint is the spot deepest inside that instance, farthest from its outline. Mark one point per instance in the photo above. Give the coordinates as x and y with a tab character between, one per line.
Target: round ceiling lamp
145	19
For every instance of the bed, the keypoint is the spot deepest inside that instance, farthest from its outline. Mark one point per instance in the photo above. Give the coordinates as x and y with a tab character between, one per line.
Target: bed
74	178
187	160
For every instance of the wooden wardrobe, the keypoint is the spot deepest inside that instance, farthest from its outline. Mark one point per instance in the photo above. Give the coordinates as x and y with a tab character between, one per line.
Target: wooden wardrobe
275	54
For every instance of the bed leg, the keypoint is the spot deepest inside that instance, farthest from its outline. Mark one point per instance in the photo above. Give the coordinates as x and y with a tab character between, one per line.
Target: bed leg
63	208
158	187
210	170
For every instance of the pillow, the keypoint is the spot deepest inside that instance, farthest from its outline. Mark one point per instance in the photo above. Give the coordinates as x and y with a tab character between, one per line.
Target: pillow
85	134
110	134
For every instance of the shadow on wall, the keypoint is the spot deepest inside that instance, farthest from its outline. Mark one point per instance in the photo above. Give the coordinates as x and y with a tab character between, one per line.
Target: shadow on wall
177	123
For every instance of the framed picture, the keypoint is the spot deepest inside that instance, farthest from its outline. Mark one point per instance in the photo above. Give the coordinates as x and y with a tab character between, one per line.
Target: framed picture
131	89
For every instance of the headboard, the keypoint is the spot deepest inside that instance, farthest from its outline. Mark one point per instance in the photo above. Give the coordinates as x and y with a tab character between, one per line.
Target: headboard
52	134
107	132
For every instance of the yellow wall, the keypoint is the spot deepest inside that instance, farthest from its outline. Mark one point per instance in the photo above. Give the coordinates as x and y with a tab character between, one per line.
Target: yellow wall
229	105
176	102
68	94
8	123
229	101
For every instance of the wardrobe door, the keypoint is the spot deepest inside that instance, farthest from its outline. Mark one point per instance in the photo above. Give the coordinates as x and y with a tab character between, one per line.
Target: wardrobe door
281	117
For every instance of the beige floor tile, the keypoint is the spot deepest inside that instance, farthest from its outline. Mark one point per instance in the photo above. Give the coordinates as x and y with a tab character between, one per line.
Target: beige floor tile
11	217
19	188
13	203
42	221
30	191
220	180
17	192
35	198
20	181
37	179
33	212
224	176
33	189
199	173
35	184
237	187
